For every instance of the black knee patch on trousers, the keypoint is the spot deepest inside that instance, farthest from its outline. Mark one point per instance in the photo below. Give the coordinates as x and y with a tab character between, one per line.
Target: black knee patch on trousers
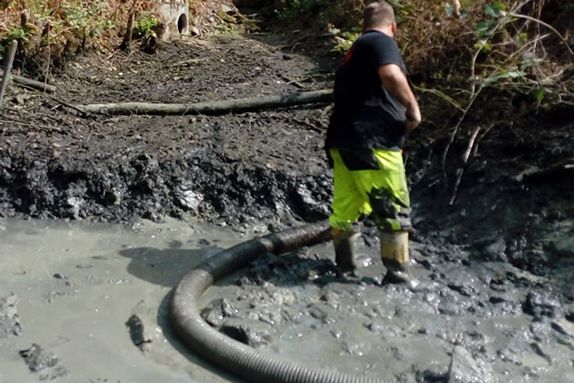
382	203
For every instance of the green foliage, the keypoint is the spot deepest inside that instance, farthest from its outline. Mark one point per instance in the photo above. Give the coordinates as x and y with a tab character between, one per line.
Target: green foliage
51	28
16	33
506	53
495	9
145	24
345	40
83	18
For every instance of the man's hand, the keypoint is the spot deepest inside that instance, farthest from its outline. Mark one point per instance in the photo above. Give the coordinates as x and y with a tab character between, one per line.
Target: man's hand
411	125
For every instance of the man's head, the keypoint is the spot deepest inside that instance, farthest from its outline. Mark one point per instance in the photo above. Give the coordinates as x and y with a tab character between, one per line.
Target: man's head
379	15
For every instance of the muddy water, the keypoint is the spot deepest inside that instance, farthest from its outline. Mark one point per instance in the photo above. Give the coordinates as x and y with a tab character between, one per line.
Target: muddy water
74	288
76	285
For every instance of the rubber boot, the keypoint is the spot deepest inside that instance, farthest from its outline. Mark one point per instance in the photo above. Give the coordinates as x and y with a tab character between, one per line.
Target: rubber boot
344	241
395	256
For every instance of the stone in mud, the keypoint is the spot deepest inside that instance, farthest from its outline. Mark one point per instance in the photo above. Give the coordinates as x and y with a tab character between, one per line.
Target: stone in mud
540	330
495	251
9	319
453	304
187	198
72	206
252	333
42	362
322	312
217	311
465	369
542	303
143	328
308	207
137	333
463	282
331	297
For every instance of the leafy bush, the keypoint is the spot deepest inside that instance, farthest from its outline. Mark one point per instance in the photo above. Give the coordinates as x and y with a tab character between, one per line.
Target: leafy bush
490	47
51	30
145	24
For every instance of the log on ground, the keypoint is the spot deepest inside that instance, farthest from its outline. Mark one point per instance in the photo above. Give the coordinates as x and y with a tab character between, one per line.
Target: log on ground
210	107
29	83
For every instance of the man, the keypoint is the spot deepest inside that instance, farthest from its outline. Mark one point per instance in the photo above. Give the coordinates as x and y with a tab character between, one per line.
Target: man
375	109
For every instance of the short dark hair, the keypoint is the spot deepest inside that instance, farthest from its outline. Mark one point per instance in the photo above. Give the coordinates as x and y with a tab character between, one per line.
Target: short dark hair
378	13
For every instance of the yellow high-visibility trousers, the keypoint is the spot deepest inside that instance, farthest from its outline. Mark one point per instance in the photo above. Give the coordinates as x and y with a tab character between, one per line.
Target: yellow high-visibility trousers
383	192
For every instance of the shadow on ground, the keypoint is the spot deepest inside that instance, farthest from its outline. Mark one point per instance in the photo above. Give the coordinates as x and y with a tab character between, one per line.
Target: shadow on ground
165	267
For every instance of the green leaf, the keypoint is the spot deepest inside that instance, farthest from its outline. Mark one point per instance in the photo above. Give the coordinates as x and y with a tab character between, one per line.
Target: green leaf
483	28
540	94
495	9
483	45
515	74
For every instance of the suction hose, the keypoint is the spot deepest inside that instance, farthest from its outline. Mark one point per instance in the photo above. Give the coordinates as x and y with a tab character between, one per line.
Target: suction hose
229	354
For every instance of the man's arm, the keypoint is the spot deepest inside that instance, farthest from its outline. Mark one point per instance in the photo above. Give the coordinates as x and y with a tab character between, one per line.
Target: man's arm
395	81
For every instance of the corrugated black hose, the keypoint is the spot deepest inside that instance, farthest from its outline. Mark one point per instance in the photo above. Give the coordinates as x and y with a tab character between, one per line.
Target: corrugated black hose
227	353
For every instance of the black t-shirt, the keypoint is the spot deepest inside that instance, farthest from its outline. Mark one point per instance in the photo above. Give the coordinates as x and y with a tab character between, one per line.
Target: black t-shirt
366	115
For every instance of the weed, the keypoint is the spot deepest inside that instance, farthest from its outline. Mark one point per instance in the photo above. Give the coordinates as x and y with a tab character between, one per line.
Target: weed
145	24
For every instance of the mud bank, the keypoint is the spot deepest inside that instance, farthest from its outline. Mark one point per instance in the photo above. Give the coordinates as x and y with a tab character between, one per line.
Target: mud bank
232	168
500	322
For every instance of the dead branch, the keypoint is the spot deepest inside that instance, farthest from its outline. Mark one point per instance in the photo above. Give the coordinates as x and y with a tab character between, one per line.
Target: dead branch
32	84
566	44
460	171
210	107
8	61
455	131
560	171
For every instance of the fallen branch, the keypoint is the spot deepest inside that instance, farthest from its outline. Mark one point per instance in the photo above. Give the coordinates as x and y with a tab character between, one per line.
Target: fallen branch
561	171
210	107
32	84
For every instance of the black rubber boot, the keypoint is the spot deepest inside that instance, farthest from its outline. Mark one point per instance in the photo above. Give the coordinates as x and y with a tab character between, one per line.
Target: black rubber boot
397	272
343	242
